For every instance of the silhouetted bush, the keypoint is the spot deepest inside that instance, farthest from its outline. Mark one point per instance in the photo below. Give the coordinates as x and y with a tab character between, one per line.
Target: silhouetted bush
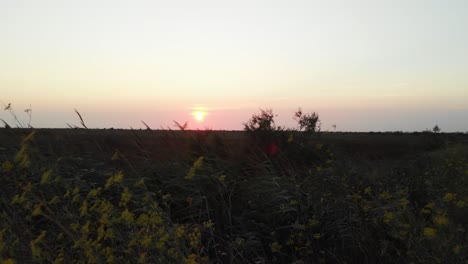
308	122
263	122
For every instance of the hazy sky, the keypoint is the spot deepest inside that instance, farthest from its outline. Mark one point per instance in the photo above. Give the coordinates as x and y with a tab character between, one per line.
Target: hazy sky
363	65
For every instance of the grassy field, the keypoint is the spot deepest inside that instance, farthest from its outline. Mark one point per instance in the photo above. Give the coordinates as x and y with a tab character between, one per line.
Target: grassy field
162	196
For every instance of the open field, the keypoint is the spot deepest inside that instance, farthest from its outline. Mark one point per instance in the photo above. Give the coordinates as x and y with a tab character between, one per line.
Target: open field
162	196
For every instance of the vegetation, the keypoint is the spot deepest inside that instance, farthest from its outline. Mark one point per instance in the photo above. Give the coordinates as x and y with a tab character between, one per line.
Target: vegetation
263	122
96	196
308	122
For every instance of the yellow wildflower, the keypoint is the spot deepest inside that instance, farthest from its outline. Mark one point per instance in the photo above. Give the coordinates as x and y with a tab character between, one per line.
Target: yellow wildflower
456	249
388	217
127	216
191	259
314	222
222	178
450	197
94	192
142	258
299	226
441	220
143	219
85	228
17	200
275	247
109	233
116	155
8	261
425	211
76	190
7	166
404	202
22	157
427	208
45	176
385	195
125	197
208	224
196	165
429	232
54	200
460	204
117	178
368	190
101	232
180	231
162	241
194	237
146	241
35	250
172	252
356	197
74	226
139	183
37	210
29	137
105	207
155	219
84	208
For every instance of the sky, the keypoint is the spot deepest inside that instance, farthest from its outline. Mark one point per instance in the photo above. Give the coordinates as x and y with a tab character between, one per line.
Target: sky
362	65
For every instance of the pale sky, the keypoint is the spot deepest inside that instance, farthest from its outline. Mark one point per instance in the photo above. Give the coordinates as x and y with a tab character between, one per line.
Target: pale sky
364	65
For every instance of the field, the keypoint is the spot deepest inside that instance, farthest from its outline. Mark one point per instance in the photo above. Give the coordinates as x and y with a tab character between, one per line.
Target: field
164	196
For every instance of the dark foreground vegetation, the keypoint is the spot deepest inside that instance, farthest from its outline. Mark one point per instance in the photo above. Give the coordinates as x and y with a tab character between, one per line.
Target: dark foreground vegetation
118	196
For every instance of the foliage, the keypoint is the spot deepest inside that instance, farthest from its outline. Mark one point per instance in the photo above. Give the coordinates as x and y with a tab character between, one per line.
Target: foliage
180	126
9	108
308	122
197	198
49	218
263	122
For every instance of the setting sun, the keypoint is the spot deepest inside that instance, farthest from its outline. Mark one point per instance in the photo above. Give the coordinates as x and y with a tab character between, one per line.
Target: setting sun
199	113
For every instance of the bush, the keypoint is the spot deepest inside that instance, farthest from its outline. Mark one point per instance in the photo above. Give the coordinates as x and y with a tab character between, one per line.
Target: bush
262	122
308	122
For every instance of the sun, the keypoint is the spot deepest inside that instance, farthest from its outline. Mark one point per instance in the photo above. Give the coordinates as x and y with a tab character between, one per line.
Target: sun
199	115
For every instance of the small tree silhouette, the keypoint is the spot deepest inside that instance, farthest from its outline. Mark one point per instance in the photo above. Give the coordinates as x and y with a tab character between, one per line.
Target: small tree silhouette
262	129
436	129
308	122
262	122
